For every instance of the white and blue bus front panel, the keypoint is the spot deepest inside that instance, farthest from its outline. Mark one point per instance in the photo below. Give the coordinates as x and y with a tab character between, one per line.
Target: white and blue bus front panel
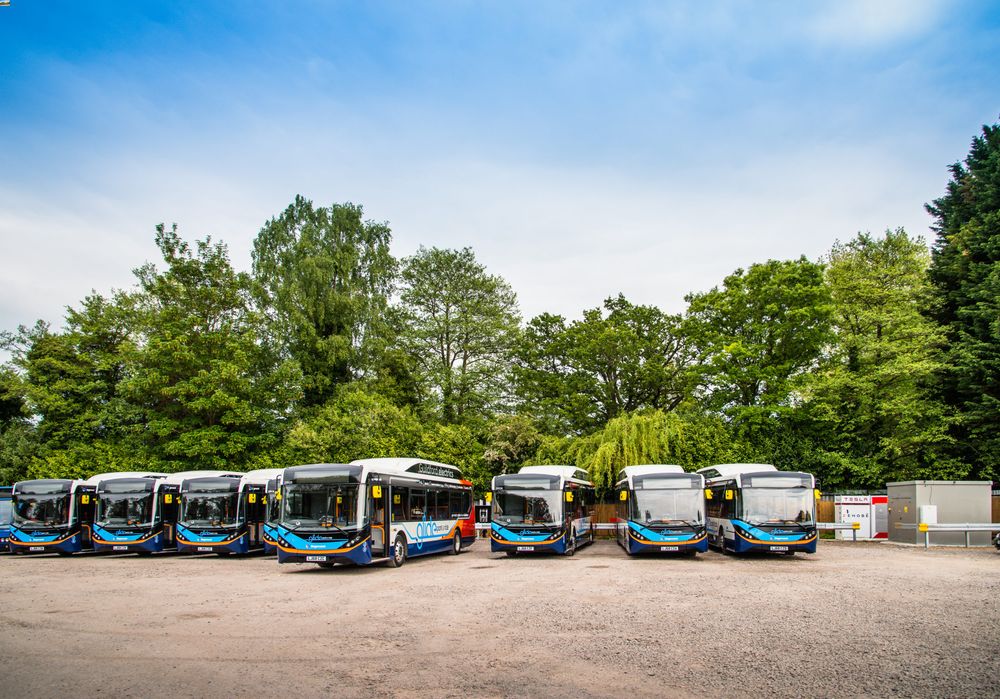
336	513
6	513
211	518
129	516
51	516
534	513
662	513
770	511
322	518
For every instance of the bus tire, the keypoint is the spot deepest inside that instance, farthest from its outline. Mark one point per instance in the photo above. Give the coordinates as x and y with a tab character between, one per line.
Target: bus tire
570	547
397	556
722	539
456	544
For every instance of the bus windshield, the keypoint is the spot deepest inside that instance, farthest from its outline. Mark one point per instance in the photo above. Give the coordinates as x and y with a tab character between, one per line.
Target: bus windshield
6	511
320	505
668	506
32	511
124	509
778	505
209	509
528	506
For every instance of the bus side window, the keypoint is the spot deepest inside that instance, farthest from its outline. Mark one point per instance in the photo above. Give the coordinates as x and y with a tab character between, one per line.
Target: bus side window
400	498
418	505
441	508
455	502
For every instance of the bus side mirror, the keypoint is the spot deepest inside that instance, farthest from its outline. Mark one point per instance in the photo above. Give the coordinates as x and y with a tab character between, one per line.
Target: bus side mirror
816	493
708	493
623	495
376	491
489	497
729	495
569	496
277	495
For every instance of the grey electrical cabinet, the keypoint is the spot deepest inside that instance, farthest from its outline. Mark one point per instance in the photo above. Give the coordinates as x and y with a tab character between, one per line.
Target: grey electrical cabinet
957	502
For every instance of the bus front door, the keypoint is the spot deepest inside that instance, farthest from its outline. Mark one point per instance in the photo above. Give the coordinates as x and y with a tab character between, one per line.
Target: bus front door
378	497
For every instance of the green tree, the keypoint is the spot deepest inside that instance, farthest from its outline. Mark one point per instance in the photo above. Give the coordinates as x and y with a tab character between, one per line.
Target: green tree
353	425
324	275
965	272
462	324
872	402
575	377
766	326
212	393
511	441
70	383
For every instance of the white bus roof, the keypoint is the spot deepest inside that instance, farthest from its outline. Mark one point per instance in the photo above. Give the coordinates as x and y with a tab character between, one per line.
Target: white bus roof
647	469
733	470
411	467
630	473
101	477
260	476
567	473
182	476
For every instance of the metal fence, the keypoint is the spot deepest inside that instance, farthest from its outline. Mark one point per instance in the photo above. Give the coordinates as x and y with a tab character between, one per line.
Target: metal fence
968	528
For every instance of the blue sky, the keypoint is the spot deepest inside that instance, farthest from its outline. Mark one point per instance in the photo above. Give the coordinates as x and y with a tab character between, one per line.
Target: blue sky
582	149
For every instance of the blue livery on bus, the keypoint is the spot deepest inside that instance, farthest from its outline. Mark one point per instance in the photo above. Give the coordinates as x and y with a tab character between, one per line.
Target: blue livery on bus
371	511
134	512
755	507
542	509
661	509
51	515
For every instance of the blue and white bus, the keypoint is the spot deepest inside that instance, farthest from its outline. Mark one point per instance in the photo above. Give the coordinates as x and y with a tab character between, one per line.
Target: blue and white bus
130	515
542	508
212	513
661	509
5	517
755	507
51	515
373	510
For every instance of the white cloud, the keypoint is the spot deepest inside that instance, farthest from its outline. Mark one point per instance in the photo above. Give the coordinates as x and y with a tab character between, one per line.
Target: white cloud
874	21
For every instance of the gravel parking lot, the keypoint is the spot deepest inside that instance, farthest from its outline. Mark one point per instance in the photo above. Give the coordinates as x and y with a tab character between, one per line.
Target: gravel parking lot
853	620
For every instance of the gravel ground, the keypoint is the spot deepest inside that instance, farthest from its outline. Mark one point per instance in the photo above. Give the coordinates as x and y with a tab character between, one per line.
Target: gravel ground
853	620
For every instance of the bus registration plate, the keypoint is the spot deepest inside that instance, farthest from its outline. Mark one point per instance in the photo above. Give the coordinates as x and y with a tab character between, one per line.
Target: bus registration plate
315	559
119	548
525	548
779	548
205	549
36	548
670	548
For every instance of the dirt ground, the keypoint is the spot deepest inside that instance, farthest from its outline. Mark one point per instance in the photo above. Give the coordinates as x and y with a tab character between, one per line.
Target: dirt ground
852	620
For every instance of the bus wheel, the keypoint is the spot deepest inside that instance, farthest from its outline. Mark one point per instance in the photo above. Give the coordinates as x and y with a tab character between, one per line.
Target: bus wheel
571	547
722	539
456	544
398	556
